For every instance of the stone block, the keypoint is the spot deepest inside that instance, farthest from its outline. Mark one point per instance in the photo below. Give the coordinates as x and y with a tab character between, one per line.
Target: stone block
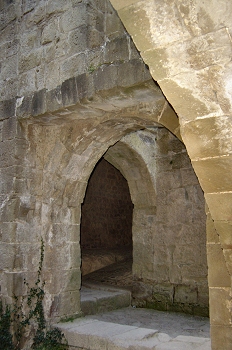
24	106
130	73
96	18
224	229
9	68
95	38
186	294
220	205
157	60
212	234
69	92
31	60
218	273
27	82
39	102
221	337
77	40
7	256
116	50
105	77
136	21
205	138
54	99
220	306
8	15
114	26
30	39
69	304
50	32
37	15
59	281
15	283
7	108
211	174
70	19
11	129
186	104
73	66
8	232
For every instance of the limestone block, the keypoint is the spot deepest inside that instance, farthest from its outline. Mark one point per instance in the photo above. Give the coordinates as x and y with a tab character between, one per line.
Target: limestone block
96	17
206	139
39	102
220	205
116	50
9	210
78	40
59	281
15	283
204	17
104	78
10	88
7	15
30	40
57	257
211	174
71	19
69	304
228	257
32	60
185	294
114	26
37	14
73	66
69	92
212	234
9	68
26	82
65	233
95	38
54	99
131	72
7	256
24	107
224	229
198	53
220	306
218	272
186	100
135	19
50	32
221	337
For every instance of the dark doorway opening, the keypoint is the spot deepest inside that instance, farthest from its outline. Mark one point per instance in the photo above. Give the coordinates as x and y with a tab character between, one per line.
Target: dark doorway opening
106	228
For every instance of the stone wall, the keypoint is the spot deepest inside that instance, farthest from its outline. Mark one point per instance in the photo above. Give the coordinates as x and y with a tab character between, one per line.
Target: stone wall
53	54
106	214
169	240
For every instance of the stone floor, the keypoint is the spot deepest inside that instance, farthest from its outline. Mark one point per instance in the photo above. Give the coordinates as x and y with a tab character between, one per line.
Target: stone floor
129	327
137	329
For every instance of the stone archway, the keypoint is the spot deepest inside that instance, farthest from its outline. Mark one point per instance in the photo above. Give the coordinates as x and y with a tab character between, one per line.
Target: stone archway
106	221
66	152
187	46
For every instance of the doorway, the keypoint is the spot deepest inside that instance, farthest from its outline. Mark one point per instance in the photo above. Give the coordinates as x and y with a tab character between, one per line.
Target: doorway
106	228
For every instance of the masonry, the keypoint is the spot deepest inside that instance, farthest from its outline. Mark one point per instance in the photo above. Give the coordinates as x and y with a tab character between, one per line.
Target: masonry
146	89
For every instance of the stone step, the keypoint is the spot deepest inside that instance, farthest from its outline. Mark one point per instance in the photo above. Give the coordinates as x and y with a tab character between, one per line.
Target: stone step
97	299
92	334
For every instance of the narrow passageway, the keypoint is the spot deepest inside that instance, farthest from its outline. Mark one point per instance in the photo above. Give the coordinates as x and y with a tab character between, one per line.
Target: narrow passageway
106	227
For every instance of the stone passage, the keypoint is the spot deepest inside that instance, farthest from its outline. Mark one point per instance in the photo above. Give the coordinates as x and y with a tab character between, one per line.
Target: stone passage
106	220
